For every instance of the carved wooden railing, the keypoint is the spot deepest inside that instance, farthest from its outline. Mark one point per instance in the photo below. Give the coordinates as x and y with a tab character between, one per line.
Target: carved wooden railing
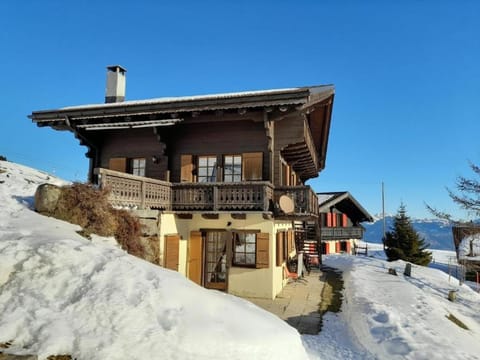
222	196
331	233
305	200
132	191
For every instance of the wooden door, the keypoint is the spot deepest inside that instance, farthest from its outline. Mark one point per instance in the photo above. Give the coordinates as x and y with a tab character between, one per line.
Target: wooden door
195	251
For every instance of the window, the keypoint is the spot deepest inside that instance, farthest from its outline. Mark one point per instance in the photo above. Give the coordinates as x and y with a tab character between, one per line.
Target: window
232	168
244	249
207	169
138	166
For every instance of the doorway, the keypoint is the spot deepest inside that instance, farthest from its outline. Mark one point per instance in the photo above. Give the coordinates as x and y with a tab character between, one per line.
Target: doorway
215	260
207	259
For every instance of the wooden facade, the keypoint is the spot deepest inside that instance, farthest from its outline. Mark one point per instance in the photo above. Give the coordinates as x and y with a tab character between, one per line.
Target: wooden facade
215	168
339	219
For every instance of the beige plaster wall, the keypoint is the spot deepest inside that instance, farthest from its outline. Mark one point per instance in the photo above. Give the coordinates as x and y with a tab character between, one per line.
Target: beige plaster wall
247	282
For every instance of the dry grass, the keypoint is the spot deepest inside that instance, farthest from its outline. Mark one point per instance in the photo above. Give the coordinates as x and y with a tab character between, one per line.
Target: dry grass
87	206
456	321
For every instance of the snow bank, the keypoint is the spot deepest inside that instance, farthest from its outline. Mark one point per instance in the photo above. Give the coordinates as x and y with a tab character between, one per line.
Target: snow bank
62	294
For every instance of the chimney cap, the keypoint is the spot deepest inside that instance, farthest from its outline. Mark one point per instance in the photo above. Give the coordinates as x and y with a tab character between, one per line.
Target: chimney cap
116	68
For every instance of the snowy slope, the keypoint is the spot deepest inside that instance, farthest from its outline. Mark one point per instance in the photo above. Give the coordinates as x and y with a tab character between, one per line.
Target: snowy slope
398	317
62	294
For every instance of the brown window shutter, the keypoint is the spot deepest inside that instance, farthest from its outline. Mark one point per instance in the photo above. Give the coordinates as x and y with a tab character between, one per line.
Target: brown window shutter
263	253
195	257
118	164
291	240
171	251
186	174
280	249
252	164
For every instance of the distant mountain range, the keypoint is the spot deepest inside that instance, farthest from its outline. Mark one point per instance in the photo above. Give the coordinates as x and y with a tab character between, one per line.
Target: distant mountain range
438	233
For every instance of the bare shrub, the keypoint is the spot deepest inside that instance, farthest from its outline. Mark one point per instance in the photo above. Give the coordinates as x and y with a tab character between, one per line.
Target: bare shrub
127	232
87	206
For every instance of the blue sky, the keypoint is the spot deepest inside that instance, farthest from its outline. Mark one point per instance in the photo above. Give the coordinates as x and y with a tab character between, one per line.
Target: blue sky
406	73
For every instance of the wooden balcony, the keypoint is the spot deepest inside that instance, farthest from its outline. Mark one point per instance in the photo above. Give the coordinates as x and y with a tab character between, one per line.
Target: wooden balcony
132	191
305	200
243	196
339	233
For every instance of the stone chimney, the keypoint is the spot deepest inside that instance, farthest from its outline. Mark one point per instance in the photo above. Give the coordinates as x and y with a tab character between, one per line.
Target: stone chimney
115	91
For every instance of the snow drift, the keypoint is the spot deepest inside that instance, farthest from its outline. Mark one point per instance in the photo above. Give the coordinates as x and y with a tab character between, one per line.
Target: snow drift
63	294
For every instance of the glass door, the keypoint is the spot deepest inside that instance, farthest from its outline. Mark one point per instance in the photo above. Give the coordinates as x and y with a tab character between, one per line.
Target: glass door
216	260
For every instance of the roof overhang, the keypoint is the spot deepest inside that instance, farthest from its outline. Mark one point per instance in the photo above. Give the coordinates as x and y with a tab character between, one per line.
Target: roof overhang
153	109
344	202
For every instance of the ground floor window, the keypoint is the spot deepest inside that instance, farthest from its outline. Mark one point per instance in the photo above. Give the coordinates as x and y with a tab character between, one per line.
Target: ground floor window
244	249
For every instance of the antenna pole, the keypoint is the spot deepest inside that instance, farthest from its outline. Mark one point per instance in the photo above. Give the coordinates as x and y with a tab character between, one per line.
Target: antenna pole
383	214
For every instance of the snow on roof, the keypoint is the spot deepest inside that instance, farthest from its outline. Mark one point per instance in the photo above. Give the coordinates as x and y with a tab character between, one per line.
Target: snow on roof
220	96
469	248
322	198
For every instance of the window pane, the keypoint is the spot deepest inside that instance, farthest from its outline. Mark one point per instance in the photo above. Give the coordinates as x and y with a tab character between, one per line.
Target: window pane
250	259
202	161
250	248
240	258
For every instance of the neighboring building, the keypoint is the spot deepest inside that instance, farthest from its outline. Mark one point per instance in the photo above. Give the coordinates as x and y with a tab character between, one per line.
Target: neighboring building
224	175
466	238
340	218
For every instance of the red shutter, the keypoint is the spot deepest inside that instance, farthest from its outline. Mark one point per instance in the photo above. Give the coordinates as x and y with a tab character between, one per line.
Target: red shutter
337	246
334	220
329	219
344	220
349	247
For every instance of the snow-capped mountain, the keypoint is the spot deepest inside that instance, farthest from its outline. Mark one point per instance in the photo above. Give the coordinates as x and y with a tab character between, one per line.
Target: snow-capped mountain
438	233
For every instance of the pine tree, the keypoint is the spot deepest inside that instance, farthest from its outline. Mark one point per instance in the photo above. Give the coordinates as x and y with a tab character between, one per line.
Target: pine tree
404	243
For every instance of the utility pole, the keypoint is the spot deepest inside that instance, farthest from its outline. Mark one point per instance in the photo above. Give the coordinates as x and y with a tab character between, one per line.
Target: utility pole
383	214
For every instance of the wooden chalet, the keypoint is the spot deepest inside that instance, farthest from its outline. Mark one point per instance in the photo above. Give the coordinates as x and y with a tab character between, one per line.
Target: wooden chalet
464	238
224	174
340	222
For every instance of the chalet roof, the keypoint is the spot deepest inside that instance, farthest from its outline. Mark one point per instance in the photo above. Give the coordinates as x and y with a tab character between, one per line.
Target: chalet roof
306	96
306	153
344	202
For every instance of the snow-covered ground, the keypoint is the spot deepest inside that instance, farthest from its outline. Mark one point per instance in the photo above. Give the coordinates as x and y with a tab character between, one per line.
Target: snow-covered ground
62	294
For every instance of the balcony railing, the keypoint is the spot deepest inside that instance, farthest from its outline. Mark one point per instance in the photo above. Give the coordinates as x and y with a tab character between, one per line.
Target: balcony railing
132	191
128	190
305	200
333	233
222	196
